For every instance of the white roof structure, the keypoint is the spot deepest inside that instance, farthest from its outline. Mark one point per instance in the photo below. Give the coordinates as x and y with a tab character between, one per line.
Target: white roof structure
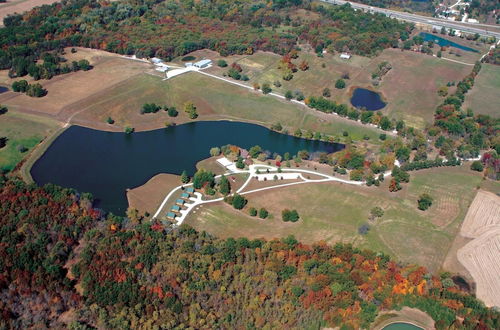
202	63
156	60
345	56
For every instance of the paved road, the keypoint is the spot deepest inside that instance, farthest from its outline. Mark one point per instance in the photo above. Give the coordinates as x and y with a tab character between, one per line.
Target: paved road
482	29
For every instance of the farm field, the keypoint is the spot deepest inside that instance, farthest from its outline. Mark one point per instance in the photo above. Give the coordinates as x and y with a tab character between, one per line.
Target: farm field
214	100
484	98
333	212
22	130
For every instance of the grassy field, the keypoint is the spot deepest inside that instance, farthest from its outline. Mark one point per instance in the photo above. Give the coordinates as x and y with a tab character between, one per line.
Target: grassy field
484	97
65	91
22	130
410	87
333	212
214	100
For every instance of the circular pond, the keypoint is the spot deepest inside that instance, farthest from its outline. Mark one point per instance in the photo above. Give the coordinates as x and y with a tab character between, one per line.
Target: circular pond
366	99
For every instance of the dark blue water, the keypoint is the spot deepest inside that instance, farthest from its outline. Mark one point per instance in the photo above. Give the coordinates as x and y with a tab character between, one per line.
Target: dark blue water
401	326
3	89
365	98
106	164
445	42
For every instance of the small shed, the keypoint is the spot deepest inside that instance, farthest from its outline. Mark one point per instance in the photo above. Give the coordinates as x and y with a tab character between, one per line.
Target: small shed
185	196
171	215
175	208
180	202
345	56
190	190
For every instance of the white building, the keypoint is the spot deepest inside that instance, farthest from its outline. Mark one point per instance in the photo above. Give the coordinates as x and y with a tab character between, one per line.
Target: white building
345	56
156	60
203	63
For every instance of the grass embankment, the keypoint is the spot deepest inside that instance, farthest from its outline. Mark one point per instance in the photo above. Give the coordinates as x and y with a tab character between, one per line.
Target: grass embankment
22	130
214	99
333	212
484	98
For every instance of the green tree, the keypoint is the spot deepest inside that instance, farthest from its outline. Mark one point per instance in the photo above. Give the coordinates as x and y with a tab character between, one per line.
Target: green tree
477	166
288	95
184	177
129	130
110	121
424	202
172	112
190	109
215	151
263	213
252	211
224	186
239	201
202	177
266	88
222	63
254	151
340	84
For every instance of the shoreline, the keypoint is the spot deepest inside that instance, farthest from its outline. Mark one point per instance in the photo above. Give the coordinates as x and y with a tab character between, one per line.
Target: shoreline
37	153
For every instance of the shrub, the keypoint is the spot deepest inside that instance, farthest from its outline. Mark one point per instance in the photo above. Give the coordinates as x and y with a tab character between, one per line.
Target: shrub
110	121
424	202
266	89
292	216
3	109
21	148
377	212
215	151
326	92
129	130
263	213
172	112
252	211
364	229
477	166
150	108
222	63
289	95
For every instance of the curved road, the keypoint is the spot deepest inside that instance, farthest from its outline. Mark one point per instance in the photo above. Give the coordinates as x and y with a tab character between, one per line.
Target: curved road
482	29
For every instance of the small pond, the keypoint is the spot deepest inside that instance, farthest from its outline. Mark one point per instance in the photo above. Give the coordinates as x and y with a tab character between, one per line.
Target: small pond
106	164
367	99
445	42
3	89
401	326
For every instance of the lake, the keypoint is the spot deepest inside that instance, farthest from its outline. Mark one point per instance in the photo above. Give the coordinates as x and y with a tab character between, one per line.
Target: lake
445	42
401	326
106	164
365	98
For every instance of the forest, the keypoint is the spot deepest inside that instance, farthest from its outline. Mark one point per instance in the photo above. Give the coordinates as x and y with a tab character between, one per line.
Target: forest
172	28
64	262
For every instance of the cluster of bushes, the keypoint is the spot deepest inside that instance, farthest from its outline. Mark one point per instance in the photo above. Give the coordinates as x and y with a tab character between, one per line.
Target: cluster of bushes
33	90
290	215
236	200
154	108
262	212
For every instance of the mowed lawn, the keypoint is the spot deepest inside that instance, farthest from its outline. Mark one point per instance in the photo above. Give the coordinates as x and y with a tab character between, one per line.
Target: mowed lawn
484	98
333	212
214	99
21	130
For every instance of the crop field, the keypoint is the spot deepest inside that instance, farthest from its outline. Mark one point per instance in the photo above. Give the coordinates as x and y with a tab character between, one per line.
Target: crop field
483	213
21	130
481	257
484	98
214	100
333	212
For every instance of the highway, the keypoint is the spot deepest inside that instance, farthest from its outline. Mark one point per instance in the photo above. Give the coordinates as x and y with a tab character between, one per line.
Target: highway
482	29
